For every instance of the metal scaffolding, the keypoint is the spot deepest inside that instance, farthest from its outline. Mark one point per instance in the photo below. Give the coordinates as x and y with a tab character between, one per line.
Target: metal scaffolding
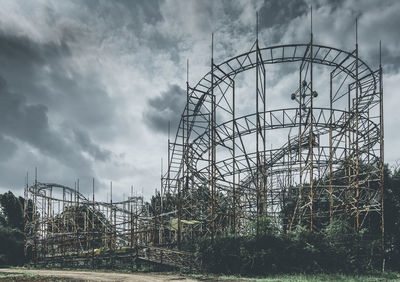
330	165
223	174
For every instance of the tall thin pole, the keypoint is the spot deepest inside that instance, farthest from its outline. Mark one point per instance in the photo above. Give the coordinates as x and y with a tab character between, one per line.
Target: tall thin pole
169	166
311	137
233	159
111	226
381	164
357	137
131	218
264	181
161	232
330	150
213	148
257	136
26	217
93	225
34	216
187	130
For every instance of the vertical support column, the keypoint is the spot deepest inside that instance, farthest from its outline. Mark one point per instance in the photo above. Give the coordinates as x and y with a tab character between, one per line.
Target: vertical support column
260	133
330	150
258	161
264	174
50	221
311	136
179	215
271	183
35	223
357	139
111	227
131	221
42	227
186	177
381	162
75	241
181	182
155	204
115	233
47	224
350	153
93	221
299	144
161	229
168	200
26	218
63	241
169	163
213	143
78	228
234	204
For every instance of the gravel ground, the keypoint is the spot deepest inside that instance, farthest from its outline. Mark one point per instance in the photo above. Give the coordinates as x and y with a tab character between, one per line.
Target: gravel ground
71	275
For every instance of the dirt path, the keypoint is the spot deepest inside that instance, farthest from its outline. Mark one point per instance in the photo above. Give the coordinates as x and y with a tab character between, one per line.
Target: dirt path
100	276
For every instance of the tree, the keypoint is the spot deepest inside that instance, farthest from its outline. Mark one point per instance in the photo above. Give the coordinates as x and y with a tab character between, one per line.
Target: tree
13	210
392	217
11	229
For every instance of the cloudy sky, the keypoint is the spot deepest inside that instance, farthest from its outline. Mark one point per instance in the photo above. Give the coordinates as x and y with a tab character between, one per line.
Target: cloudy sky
87	87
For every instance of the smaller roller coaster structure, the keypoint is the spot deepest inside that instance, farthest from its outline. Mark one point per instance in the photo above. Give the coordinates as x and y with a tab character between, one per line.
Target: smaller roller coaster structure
64	228
233	164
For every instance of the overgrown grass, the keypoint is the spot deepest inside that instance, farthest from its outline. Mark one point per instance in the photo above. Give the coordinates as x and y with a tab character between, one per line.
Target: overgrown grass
29	277
387	276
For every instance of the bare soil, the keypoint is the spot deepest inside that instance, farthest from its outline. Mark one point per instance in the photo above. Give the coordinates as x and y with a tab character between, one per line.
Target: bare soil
71	275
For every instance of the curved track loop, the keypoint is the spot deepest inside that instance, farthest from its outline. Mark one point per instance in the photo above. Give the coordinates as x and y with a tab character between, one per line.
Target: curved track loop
339	161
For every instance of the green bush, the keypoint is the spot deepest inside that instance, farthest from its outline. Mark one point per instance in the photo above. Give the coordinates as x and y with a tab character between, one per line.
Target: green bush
336	248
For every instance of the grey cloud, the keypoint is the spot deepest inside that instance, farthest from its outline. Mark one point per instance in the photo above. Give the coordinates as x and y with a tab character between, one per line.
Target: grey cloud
166	107
45	73
87	145
125	19
24	51
30	124
274	13
25	60
142	12
37	83
8	148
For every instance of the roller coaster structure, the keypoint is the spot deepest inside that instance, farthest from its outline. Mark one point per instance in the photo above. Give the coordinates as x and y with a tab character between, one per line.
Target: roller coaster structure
227	169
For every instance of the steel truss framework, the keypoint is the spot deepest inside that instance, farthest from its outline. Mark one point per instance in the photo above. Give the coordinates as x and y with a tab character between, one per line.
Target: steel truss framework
330	166
221	175
65	228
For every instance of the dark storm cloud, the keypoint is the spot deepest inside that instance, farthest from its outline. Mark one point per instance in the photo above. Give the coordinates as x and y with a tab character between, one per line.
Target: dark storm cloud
45	75
21	59
30	124
36	80
24	51
166	107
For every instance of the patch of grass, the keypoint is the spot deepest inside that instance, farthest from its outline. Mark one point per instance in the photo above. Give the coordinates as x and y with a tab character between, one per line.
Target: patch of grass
387	276
11	275
28	277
